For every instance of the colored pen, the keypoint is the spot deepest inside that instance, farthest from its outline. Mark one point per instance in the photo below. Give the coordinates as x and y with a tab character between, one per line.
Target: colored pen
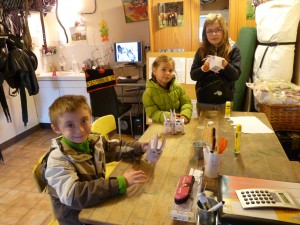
216	207
213	138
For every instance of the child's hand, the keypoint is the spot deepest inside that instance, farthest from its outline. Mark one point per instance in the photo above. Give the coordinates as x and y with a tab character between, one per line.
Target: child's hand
133	177
224	63
205	66
179	116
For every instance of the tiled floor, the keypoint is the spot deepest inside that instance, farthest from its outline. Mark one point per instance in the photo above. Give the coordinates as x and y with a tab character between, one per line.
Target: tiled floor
20	201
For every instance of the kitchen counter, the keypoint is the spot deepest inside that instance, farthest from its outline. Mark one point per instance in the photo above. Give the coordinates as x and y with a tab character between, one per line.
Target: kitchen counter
60	76
52	87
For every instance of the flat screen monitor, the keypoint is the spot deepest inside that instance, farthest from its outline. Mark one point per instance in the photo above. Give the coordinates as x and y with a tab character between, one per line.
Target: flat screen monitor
128	52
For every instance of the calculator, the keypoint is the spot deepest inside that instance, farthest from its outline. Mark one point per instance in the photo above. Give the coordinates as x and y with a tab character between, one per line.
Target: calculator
259	197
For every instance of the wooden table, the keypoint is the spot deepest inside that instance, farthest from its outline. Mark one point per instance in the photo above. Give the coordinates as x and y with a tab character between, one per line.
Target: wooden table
261	157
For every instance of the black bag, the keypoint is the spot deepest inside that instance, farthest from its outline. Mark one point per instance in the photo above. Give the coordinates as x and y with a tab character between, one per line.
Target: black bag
214	91
98	79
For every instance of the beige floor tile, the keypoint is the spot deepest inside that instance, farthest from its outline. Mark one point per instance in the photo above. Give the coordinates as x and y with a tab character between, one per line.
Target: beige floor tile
27	184
13	214
3	208
9	182
28	199
34	217
3	191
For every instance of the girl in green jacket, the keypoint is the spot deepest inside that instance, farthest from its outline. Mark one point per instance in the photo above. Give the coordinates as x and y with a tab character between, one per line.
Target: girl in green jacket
163	93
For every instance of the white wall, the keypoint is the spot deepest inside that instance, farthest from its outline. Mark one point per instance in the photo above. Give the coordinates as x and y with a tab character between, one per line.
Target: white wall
111	12
9	130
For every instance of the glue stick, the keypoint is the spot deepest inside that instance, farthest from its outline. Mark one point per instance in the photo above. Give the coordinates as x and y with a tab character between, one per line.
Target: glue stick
227	109
237	138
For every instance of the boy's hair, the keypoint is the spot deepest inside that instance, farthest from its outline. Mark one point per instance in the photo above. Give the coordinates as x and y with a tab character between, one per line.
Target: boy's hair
67	103
162	59
209	49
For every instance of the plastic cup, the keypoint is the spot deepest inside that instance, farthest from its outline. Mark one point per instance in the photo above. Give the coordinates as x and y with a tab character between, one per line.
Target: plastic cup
205	217
212	164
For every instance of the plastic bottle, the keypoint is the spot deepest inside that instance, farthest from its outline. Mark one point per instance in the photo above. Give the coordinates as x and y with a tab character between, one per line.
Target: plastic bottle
227	109
62	63
237	138
75	66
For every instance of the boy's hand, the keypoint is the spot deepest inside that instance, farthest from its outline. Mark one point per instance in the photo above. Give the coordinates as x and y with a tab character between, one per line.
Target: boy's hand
133	177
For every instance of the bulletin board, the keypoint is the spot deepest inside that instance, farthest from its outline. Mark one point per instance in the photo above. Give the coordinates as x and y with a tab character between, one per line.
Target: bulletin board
183	63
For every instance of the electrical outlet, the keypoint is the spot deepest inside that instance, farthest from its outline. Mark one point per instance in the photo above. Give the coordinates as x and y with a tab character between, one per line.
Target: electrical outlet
147	47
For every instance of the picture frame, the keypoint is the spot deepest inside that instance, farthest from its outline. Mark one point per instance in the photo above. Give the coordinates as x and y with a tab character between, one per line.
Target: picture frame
135	10
170	14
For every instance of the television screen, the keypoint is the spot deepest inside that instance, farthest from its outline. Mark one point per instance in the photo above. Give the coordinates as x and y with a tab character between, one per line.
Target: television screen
128	52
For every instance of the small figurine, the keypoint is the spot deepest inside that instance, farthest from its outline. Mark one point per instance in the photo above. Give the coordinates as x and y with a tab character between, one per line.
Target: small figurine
173	125
104	31
153	152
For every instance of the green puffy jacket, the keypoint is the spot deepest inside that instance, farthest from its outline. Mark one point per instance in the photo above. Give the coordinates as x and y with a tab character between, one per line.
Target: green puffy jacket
157	100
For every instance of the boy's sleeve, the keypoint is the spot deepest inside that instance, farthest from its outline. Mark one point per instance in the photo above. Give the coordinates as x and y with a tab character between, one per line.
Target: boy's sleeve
116	150
64	183
122	184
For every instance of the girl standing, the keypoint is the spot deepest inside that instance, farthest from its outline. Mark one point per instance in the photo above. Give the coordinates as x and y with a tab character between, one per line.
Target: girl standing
213	89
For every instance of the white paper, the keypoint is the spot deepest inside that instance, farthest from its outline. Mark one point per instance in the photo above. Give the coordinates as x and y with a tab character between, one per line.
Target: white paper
150	62
251	125
188	80
215	63
180	69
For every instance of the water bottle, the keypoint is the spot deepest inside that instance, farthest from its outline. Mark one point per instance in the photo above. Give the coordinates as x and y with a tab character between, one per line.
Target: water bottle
75	66
62	63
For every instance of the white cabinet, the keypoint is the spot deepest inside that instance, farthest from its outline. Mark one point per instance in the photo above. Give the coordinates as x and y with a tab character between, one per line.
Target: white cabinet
53	87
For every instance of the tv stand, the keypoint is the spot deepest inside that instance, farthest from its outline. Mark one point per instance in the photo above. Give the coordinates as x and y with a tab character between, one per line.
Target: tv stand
131	64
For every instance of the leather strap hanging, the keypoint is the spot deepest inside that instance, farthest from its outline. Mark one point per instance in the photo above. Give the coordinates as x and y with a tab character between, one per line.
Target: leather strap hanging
24	105
40	7
4	105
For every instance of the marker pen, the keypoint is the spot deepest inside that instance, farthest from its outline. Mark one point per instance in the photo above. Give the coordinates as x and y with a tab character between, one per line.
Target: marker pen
216	207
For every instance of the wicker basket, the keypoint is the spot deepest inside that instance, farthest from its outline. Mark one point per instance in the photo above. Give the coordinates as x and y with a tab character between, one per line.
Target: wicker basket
282	117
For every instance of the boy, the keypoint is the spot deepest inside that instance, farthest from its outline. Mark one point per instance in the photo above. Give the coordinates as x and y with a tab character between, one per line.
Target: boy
76	165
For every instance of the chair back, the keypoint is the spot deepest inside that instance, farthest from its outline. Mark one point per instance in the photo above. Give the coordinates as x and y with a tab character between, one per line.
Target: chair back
247	41
105	125
104	102
41	185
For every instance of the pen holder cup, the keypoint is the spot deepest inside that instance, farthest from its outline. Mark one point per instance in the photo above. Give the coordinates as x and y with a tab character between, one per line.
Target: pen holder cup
205	217
212	164
198	149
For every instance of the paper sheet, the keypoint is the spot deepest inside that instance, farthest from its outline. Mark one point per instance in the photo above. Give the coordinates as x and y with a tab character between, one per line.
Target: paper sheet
189	62
251	125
